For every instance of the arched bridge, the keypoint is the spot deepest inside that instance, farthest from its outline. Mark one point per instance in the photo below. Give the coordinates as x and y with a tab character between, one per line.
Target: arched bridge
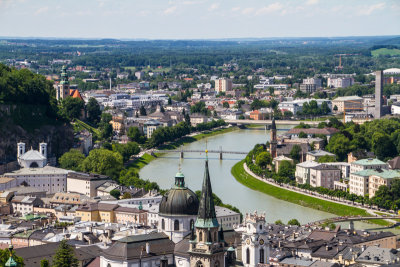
351	219
182	152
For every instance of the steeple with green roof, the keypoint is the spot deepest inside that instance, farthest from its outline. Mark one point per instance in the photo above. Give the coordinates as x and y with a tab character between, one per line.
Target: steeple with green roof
206	217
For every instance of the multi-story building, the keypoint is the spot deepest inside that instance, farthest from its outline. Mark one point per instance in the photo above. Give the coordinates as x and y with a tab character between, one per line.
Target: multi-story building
350	103
340	82
48	178
226	217
223	85
303	169
316	81
316	154
370	163
125	215
381	177
324	176
84	183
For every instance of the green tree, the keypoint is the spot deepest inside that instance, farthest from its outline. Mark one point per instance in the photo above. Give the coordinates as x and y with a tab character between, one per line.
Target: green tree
135	135
103	161
339	145
286	169
294	222
93	111
44	263
105	127
72	107
65	256
115	193
71	160
295	153
126	150
327	158
263	159
303	135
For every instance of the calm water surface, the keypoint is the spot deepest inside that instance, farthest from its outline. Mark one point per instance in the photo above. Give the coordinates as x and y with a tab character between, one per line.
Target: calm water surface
163	170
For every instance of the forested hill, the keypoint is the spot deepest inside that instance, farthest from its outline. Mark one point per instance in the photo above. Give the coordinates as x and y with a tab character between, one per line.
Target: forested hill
28	113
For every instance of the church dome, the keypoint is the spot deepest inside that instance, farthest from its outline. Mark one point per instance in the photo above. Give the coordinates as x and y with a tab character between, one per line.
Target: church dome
179	200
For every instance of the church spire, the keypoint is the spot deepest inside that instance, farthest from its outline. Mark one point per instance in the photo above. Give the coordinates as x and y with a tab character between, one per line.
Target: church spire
206	217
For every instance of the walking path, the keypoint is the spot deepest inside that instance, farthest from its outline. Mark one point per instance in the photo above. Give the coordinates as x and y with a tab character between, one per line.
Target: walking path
311	194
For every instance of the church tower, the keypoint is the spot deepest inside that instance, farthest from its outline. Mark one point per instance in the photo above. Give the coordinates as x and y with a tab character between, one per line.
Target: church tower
206	243
63	87
273	144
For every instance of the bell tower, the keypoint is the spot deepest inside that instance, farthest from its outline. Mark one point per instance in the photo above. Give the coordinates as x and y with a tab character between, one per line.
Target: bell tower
206	243
273	144
63	87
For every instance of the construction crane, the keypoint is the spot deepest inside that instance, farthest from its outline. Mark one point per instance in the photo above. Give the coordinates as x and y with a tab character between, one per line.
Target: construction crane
340	59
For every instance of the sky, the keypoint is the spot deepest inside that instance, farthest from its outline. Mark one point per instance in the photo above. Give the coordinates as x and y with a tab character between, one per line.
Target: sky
198	19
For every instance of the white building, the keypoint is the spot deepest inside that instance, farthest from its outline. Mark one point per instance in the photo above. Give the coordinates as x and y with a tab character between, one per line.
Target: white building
340	82
226	217
302	173
49	179
32	158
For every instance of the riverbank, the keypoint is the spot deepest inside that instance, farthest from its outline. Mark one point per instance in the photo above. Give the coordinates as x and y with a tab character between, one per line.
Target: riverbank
246	179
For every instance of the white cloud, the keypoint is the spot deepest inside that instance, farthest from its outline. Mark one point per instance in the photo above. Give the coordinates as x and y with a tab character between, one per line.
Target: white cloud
368	10
312	2
169	10
247	10
213	7
235	9
41	10
274	7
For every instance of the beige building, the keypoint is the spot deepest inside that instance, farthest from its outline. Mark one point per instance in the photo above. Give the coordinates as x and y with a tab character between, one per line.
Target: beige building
223	85
324	175
126	215
351	103
381	177
85	184
359	182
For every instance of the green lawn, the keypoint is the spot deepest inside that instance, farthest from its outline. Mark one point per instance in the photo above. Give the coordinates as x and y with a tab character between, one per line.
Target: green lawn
385	51
141	162
244	178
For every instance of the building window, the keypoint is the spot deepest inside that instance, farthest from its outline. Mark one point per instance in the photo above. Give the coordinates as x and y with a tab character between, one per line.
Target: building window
163	224
262	255
176	225
248	256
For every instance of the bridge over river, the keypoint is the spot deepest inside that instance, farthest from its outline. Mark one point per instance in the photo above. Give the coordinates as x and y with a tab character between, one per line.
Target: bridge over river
183	151
352	219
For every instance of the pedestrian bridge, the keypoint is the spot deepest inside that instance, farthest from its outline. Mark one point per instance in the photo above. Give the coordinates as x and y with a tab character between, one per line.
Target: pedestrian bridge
184	151
352	219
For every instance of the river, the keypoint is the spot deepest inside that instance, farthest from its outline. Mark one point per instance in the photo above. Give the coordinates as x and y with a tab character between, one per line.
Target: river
163	169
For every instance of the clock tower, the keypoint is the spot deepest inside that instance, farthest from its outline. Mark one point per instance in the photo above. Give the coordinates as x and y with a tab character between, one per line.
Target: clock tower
255	249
